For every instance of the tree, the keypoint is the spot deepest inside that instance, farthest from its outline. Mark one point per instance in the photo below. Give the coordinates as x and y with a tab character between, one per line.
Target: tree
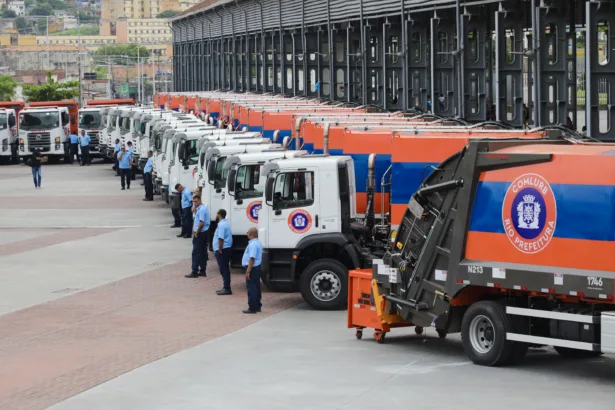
85	16
43	9
101	72
8	14
167	14
7	87
21	23
52	91
116	53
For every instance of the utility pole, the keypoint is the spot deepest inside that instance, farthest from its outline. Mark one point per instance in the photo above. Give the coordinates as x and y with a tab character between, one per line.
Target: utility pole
79	56
138	73
47	41
154	61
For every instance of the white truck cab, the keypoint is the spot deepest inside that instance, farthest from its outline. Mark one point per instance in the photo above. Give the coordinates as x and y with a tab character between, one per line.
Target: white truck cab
243	194
304	226
113	129
8	136
46	130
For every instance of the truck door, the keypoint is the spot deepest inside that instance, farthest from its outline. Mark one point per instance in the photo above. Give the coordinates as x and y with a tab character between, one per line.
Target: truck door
295	210
218	185
189	165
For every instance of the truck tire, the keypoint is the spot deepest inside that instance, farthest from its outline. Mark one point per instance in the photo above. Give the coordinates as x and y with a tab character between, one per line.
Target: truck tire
324	285
483	332
575	353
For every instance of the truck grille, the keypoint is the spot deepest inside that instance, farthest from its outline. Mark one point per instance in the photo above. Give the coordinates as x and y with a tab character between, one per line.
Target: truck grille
93	138
39	139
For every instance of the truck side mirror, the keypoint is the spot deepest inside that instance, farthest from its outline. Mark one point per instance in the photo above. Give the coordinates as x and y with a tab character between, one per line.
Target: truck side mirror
269	191
12	120
232	176
64	118
181	152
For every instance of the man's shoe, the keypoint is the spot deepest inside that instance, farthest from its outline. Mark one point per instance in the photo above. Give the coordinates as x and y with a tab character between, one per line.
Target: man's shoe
249	311
123	188
181	235
147	199
175	226
203	274
88	165
128	187
187	236
224	292
192	275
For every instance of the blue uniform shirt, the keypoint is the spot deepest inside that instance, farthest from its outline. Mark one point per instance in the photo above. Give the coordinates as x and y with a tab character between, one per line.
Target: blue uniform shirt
125	160
202	214
132	152
74	139
85	140
254	250
148	165
223	231
118	148
186	198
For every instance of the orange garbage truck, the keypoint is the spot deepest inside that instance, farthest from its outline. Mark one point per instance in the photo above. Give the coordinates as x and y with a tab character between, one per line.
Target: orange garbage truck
509	243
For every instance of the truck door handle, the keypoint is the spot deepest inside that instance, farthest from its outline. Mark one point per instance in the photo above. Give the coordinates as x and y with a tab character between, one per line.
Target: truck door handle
278	212
316	220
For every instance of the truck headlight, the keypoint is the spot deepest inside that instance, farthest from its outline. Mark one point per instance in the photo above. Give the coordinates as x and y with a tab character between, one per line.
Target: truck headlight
21	141
58	146
57	140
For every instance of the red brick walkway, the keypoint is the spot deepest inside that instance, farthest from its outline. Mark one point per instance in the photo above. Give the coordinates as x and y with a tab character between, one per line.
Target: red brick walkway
55	350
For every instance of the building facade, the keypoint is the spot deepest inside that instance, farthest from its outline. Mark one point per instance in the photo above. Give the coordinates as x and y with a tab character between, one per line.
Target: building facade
87	42
18	6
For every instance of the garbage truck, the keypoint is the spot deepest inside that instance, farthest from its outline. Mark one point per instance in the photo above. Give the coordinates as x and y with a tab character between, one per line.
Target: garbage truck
8	136
509	243
44	129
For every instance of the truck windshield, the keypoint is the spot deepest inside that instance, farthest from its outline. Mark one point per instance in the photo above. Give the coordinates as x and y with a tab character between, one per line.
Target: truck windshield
249	182
220	174
125	125
90	120
39	120
192	152
103	121
3	121
112	122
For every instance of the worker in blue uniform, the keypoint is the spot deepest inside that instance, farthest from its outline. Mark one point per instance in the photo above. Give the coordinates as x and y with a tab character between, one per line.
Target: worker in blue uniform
199	240
74	147
222	243
85	148
186	212
116	153
251	261
124	162
147	177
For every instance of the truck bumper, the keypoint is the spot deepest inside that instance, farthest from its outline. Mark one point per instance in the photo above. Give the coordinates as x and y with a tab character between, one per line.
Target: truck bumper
157	186
175	201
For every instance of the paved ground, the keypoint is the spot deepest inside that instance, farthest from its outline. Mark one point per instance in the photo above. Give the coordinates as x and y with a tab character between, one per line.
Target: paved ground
95	313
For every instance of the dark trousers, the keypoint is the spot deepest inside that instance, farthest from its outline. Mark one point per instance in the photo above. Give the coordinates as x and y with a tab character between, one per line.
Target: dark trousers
74	152
253	285
149	186
187	221
116	167
224	260
199	253
85	154
133	173
177	219
125	177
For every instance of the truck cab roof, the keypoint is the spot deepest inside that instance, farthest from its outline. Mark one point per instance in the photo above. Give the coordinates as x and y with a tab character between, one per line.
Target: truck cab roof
262	157
320	161
211	149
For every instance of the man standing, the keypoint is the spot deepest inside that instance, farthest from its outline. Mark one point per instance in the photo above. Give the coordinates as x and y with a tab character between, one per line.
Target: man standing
116	153
35	163
74	147
222	243
199	240
124	162
85	148
133	170
186	205
147	177
251	261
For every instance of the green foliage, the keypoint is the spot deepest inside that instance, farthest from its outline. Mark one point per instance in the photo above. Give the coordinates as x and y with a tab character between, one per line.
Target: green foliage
7	87
85	31
118	52
101	72
52	91
8	14
57	4
21	23
167	14
42	9
86	17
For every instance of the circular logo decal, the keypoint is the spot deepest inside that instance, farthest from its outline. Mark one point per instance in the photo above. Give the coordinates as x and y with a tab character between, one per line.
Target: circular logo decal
529	213
38	137
299	221
253	209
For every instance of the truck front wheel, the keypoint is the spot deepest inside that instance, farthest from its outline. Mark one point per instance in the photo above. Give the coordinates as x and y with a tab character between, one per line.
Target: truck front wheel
483	332
324	285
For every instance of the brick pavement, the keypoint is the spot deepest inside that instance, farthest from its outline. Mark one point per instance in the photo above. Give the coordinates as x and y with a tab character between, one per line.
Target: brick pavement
81	202
55	350
48	238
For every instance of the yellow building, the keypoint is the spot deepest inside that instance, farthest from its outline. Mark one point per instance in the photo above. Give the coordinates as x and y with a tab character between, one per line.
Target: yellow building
142	9
87	42
7	40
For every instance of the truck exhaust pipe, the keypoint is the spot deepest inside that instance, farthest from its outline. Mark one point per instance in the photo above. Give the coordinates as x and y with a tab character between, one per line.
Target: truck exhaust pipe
285	142
325	141
371	189
298	131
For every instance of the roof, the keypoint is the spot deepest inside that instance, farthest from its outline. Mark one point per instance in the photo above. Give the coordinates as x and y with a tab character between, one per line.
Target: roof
34	49
197	8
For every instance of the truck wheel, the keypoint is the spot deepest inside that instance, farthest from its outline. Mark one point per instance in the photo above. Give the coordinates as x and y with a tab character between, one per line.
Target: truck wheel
324	285
483	332
575	353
